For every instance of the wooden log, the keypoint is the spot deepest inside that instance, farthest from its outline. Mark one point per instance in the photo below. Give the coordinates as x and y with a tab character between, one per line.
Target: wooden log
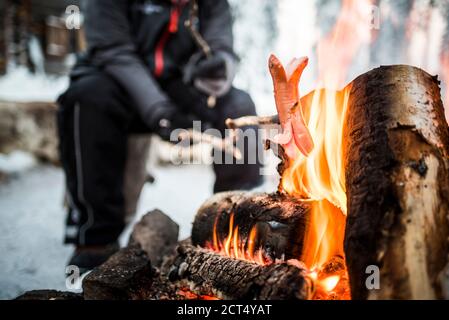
279	220
397	181
127	275
157	235
226	278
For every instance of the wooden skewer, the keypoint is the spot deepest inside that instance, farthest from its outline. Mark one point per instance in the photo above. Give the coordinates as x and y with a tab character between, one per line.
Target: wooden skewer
251	121
225	145
201	43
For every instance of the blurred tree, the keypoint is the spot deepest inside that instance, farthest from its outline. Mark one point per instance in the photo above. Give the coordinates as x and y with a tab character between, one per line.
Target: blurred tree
22	21
255	34
390	44
3	44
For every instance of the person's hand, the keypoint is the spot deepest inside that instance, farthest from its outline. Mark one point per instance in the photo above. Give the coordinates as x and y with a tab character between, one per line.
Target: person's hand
210	68
211	75
166	117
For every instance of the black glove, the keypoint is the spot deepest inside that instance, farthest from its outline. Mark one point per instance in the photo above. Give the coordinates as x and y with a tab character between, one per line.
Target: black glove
210	68
166	117
212	76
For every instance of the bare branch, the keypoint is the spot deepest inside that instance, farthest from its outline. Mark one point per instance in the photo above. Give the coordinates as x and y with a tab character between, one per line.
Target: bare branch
197	37
251	121
226	145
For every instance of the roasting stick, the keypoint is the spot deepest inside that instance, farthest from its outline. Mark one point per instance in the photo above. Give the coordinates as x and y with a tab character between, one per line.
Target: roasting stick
201	43
242	122
225	145
197	37
251	121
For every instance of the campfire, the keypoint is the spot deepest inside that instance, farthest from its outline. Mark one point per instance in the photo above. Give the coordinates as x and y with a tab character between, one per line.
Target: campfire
316	181
363	215
363	195
362	206
361	212
364	181
371	194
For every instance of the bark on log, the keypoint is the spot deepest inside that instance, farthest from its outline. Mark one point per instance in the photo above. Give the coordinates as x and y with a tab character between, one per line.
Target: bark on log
215	275
397	180
280	221
157	235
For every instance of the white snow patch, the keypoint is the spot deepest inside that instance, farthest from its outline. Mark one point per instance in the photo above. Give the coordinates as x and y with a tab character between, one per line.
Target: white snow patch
21	85
16	161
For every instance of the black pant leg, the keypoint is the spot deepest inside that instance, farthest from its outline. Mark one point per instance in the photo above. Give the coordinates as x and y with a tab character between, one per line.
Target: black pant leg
243	175
92	122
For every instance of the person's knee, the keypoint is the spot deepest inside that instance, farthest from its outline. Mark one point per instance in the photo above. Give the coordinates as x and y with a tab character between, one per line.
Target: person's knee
97	91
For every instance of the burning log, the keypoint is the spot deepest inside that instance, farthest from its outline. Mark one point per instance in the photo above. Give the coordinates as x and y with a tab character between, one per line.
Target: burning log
250	224
397	181
215	275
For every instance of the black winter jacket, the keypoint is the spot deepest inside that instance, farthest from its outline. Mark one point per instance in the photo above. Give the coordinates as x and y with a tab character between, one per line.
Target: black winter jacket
142	42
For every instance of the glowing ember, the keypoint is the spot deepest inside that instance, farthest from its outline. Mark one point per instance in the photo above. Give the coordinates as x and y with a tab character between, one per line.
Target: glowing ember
330	283
189	295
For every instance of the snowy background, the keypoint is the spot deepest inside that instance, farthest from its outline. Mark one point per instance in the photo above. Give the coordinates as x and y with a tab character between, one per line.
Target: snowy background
31	195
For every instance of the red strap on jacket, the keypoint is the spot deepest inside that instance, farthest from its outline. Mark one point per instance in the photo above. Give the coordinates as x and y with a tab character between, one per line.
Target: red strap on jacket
175	13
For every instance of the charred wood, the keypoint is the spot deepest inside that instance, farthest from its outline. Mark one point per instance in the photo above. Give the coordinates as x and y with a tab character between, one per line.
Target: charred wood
219	276
127	275
157	235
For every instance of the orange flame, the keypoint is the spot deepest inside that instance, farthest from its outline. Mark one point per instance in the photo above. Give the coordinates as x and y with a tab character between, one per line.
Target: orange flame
320	178
337	50
330	283
233	246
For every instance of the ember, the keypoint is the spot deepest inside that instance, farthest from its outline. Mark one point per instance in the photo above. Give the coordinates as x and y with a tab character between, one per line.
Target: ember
189	295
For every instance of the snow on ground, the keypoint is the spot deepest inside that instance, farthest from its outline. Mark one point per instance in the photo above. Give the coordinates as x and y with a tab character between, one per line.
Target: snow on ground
20	85
16	161
31	228
32	220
